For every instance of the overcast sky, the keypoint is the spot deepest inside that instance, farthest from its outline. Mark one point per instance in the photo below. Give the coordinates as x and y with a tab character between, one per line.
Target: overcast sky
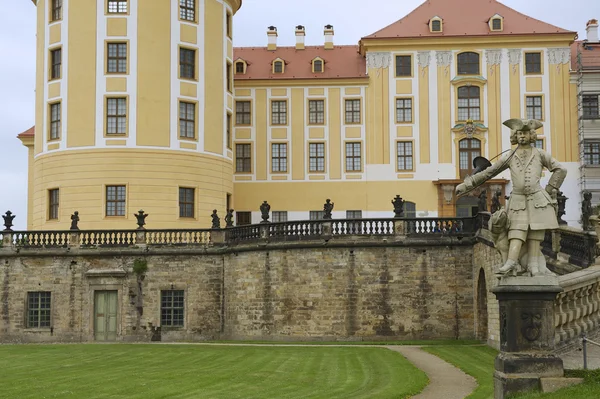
351	19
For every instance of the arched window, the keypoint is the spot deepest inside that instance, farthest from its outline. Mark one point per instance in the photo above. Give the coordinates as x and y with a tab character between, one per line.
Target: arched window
435	25
278	67
469	103
239	67
468	149
468	63
317	66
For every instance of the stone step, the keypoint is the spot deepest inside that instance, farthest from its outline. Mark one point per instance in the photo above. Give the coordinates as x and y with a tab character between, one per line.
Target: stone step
551	384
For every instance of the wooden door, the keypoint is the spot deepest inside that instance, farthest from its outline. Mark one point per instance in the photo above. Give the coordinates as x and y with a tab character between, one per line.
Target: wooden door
105	315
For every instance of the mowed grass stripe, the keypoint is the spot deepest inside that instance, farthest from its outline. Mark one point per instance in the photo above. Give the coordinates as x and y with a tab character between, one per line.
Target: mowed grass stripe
197	371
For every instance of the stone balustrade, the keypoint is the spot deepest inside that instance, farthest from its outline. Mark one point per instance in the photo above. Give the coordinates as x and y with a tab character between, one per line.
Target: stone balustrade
577	308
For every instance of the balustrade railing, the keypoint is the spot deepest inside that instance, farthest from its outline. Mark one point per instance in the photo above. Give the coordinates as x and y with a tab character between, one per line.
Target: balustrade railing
577	308
40	239
107	238
579	246
440	226
369	227
177	237
243	233
295	230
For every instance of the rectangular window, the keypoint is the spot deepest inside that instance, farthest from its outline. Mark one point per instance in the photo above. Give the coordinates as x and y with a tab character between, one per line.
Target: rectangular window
590	106
187	120
55	125
404	152
496	24
171	308
280	216
316	215
117	6
539	143
187	10
228	132
56	11
38	309
116	116
591	153
243	158
533	63
186	202
316	112
279	157
56	60
229	78
243	114
353	214
243	218
115	200
353	157
228	25
316	157
279	112
239	67
404	110
403	65
534	107
187	63
53	204
117	58
352	111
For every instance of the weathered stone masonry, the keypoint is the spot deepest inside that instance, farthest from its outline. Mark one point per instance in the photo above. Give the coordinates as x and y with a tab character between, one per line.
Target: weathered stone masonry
317	290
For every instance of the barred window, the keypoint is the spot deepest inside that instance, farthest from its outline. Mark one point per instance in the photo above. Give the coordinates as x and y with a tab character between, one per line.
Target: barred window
187	63
534	107
496	24
469	103
187	120
243	158
279	112
117	58
38	309
436	25
533	63
116	115
316	156
403	110
353	157
53	204
171	308
403	65
590	106
280	216
115	200
468	149
56	13
317	66
591	153
56	60
243	218
228	131
279	157
404	155
352	111
186	202
55	117
243	114
316	112
187	10
117	6
468	63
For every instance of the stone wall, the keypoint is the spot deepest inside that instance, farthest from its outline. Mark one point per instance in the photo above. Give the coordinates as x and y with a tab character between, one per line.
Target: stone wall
295	291
487	259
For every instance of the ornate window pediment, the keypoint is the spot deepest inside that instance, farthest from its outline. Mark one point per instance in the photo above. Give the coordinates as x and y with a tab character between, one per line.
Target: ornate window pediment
469	128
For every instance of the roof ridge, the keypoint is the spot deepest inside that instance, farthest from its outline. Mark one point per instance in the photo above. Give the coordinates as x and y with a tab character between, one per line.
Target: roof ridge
294	47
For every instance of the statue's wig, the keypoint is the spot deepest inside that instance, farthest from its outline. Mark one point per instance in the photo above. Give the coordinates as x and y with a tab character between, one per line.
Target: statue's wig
532	137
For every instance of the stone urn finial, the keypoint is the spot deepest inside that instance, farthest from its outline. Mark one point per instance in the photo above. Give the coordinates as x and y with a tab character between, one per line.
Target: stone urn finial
141	219
8	220
264	211
398	203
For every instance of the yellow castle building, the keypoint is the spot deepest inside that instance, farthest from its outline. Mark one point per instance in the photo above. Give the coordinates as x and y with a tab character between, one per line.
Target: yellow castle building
147	105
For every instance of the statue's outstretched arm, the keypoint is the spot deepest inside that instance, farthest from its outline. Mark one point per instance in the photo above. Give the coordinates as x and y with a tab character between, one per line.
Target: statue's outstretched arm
478	179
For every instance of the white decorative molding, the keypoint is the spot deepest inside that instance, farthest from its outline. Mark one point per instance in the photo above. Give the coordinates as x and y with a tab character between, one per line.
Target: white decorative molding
557	56
493	57
423	58
448	190
514	58
379	60
443	58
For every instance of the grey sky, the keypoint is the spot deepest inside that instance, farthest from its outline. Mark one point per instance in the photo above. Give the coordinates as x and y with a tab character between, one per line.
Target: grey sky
351	19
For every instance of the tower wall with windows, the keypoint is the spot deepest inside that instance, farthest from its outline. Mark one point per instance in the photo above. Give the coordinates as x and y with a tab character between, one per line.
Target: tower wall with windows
132	105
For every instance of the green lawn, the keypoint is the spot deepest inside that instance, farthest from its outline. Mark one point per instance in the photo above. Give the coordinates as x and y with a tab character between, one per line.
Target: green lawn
197	371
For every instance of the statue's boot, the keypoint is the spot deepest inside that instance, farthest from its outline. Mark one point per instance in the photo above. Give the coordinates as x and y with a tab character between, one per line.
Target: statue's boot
544	271
510	266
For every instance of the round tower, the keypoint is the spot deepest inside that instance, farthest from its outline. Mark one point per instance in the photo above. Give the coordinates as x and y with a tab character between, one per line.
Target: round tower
134	102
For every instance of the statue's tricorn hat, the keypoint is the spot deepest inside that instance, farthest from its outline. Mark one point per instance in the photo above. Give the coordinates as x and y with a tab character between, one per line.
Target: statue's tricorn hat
523	125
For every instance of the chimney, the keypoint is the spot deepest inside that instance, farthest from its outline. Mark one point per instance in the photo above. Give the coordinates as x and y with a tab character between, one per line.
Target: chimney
272	37
300	34
328	37
592	31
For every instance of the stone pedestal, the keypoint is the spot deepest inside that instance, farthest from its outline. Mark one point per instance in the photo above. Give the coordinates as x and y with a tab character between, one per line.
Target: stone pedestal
526	334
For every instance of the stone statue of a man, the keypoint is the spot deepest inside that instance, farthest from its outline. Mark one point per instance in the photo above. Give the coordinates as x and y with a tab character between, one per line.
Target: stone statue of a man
531	209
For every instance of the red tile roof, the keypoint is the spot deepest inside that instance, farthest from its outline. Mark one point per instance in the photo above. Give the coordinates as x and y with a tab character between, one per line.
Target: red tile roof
340	62
464	18
27	133
590	56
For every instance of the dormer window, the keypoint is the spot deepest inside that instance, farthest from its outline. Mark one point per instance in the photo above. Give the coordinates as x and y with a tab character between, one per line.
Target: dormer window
278	66
435	25
496	23
318	65
240	67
